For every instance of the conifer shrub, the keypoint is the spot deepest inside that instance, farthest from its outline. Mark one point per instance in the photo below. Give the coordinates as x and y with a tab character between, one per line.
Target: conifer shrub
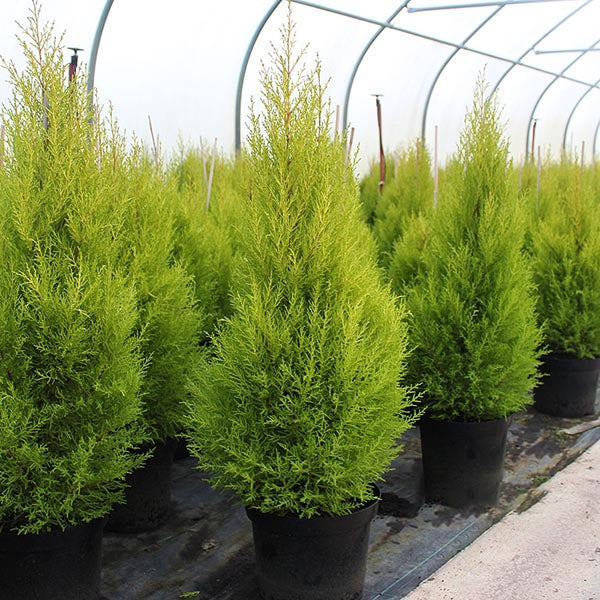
565	249
406	260
70	366
301	408
473	327
169	322
206	237
369	187
405	196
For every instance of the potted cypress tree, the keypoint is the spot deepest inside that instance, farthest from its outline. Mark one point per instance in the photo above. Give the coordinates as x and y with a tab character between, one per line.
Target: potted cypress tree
565	249
300	410
70	368
473	323
205	233
205	239
169	326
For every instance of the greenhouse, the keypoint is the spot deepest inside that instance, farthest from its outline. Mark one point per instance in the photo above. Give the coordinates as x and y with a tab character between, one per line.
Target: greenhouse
300	300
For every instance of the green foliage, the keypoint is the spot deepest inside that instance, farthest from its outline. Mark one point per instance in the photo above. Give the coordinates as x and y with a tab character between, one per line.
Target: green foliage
206	239
369	188
408	194
407	254
70	369
565	250
474	326
169	324
301	408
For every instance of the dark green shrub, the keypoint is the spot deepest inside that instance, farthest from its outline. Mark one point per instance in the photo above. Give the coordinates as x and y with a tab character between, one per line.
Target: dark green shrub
301	409
473	322
565	248
70	369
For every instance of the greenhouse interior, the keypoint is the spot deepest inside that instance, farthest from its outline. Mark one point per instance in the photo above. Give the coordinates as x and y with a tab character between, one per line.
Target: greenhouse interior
300	300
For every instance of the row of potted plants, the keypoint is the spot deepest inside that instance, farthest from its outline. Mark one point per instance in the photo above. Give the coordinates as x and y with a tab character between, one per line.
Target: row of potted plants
256	321
100	328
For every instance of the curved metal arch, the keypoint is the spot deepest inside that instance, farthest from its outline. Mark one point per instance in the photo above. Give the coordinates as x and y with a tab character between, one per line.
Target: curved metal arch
447	62
96	46
575	107
595	140
242	75
361	58
538	41
439	40
545	90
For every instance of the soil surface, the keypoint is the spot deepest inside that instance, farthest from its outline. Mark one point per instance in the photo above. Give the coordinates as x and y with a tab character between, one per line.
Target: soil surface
205	552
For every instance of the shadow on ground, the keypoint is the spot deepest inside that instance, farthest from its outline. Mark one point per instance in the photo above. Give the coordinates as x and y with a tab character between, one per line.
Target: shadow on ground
205	550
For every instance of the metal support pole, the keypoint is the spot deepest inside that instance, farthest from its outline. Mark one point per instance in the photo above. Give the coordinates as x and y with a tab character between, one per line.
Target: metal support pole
545	90
73	63
595	139
437	40
436	175
95	46
445	64
564	144
478	5
381	154
533	128
538	41
242	75
361	58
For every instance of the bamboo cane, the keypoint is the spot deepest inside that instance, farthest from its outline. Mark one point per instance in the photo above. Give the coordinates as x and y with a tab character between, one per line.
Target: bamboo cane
210	176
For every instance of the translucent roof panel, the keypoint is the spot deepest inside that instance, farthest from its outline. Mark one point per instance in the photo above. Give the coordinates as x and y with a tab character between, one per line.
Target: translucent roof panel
179	62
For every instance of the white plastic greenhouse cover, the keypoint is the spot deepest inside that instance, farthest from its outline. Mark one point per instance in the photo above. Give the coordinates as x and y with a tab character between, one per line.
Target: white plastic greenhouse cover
180	63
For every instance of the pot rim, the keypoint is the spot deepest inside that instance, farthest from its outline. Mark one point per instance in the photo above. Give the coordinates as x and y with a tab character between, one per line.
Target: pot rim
320	523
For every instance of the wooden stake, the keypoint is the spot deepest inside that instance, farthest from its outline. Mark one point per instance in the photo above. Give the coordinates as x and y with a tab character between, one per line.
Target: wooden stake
97	127
539	172
155	142
2	140
337	120
349	148
203	156
435	167
521	175
210	176
582	153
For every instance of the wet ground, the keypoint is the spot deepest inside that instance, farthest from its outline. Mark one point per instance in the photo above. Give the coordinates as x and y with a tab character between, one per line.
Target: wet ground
205	550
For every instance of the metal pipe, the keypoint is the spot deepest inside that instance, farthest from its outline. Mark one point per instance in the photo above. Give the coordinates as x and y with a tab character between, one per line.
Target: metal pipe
595	140
564	144
539	40
535	121
543	93
566	50
242	75
361	58
95	46
437	40
478	5
445	64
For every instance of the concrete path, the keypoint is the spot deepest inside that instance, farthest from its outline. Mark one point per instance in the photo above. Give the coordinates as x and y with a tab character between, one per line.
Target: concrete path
549	552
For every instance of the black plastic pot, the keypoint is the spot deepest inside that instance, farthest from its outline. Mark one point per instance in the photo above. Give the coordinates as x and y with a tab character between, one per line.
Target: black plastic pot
148	495
58	565
463	462
322	558
569	388
181	450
